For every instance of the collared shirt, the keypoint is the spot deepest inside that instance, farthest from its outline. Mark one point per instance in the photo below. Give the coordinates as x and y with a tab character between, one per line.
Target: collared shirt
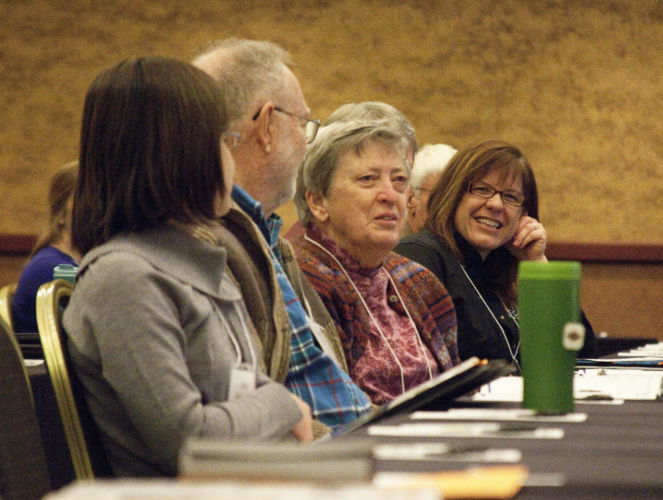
312	375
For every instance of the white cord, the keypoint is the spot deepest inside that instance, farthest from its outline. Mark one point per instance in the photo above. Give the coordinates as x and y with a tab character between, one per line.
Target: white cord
421	343
234	340
377	326
506	339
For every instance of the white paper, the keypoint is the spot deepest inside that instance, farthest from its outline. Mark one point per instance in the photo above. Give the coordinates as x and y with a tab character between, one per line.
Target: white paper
165	489
496	414
465	430
427	451
615	383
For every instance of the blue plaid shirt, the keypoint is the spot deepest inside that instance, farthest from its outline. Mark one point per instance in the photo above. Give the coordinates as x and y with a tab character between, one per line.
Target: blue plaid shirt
312	375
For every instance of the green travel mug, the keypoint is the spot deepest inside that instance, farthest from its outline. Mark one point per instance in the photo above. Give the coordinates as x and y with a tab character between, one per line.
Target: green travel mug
65	272
550	333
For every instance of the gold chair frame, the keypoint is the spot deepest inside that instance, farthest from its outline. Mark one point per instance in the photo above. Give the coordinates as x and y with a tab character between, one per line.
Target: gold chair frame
6	296
49	315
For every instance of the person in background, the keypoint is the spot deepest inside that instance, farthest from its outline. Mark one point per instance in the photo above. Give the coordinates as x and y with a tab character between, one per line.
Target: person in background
395	320
267	108
158	332
429	161
53	248
483	219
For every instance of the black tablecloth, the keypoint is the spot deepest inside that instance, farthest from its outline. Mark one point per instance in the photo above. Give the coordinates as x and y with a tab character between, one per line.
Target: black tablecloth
617	453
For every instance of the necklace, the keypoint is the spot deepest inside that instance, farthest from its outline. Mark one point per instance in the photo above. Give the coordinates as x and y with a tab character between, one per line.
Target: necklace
370	314
506	339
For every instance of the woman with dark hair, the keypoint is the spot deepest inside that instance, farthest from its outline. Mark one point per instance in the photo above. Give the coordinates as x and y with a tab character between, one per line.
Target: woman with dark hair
53	248
483	219
158	331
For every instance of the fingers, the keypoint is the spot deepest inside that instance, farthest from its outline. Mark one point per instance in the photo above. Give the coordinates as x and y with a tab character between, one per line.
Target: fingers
303	430
531	238
527	230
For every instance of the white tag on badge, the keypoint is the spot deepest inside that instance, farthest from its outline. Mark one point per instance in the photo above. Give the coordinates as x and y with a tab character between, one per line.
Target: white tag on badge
319	335
242	380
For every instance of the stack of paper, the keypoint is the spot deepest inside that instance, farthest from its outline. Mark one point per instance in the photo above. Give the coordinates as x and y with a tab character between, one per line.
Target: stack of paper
500	481
180	490
331	461
588	383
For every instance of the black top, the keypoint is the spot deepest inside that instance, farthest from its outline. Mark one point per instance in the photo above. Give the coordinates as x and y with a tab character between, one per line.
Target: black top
479	311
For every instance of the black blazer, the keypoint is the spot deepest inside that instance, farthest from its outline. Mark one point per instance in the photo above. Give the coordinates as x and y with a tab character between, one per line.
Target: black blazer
478	331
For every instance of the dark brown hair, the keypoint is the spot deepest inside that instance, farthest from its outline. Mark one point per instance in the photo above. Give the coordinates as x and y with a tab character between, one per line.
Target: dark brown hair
473	163
150	149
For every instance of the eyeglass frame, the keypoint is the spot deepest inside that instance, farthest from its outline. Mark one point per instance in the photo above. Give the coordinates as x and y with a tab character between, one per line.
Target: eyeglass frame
315	124
232	138
496	191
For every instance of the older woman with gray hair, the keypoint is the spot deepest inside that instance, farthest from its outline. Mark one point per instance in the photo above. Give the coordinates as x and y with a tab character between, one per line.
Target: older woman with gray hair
396	322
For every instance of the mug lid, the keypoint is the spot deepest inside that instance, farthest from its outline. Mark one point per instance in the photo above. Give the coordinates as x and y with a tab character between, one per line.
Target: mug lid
554	269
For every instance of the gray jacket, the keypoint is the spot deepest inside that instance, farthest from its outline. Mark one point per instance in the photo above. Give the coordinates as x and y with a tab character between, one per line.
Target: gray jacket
155	323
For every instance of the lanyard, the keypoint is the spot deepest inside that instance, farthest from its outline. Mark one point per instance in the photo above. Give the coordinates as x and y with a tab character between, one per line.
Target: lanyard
506	339
233	339
375	323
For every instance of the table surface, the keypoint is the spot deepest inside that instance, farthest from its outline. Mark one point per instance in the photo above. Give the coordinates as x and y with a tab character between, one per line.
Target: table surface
617	452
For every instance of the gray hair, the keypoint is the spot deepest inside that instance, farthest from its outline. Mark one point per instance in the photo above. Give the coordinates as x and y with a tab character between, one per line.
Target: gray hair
247	70
375	111
430	159
332	141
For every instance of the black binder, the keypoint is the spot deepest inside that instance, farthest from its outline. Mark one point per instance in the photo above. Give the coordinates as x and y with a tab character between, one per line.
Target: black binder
457	381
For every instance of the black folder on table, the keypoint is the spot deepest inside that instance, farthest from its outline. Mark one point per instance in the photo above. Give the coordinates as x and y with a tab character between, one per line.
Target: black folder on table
447	386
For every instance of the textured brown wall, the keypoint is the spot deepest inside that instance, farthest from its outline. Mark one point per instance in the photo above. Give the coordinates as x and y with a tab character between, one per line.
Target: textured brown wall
577	84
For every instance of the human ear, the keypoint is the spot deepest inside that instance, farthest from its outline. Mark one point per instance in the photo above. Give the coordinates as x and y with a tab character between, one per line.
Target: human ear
265	126
410	199
317	204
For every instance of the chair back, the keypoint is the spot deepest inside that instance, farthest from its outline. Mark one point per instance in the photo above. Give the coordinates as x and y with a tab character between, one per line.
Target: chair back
6	296
23	471
86	452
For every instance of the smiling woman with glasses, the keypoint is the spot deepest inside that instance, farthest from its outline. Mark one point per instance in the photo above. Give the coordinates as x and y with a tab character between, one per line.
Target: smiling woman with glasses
483	219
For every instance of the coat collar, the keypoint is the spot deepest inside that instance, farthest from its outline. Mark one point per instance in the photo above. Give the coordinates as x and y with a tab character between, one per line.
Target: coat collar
173	252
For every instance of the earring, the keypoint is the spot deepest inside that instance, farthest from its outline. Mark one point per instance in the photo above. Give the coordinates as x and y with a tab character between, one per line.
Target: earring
268	148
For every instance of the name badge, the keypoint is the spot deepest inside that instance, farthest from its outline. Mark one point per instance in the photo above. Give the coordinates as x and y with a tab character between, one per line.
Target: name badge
242	380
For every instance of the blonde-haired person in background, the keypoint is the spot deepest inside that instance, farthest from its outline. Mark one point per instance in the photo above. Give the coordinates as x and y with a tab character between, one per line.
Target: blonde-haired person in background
53	248
429	162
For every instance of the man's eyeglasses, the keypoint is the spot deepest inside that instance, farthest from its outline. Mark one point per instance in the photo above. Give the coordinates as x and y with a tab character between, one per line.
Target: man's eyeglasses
312	125
483	190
